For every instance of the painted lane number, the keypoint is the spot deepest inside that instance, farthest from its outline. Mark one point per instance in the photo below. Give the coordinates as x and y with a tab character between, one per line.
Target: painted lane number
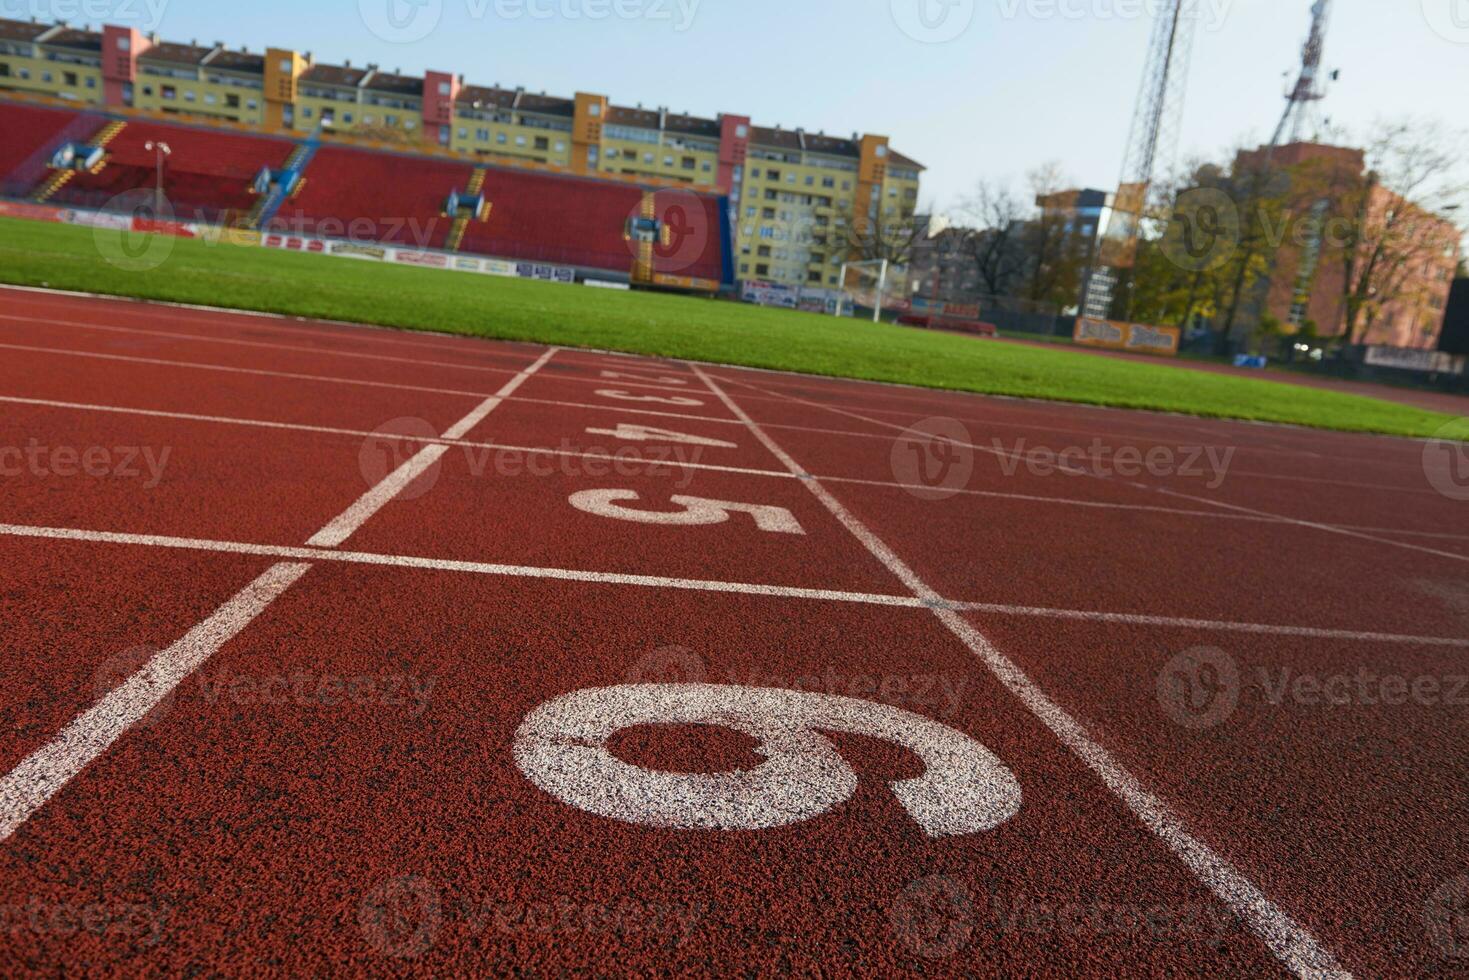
695	512
561	747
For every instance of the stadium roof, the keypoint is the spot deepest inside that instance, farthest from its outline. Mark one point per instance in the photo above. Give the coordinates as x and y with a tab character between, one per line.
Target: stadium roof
343	75
386	81
178	54
240	61
68	37
20	30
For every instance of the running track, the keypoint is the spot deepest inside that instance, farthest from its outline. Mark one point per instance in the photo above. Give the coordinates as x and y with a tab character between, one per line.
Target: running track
338	649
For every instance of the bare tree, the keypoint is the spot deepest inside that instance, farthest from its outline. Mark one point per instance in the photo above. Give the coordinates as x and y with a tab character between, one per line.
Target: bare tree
1057	253
1391	225
994	217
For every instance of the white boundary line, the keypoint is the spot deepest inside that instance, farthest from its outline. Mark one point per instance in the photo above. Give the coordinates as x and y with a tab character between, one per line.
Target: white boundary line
408	335
1330	528
43	773
687	464
313	554
326	554
328	352
1224	626
1296	948
614	407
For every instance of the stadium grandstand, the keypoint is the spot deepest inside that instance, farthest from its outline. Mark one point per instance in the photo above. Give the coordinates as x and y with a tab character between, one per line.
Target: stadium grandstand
787	188
609	229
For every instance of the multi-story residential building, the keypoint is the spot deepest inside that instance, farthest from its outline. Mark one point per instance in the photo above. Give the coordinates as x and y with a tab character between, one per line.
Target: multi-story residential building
1306	282
790	190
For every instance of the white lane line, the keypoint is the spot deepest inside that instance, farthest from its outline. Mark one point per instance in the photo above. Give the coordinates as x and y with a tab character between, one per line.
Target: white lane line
231	369
315	554
27	787
1218	504
321	554
346	524
308	349
222	317
406	438
1289	941
1224	626
1154	417
689	464
1329	528
260	344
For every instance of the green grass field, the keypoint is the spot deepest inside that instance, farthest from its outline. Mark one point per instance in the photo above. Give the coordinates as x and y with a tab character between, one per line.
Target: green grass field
66	257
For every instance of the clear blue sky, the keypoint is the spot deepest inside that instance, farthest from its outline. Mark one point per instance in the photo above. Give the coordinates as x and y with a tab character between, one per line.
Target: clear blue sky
1023	81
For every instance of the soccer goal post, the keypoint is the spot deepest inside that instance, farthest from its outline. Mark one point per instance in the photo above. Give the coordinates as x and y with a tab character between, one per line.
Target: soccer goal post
865	284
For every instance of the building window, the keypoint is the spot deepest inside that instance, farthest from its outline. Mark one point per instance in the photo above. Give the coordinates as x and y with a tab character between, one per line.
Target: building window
124	44
169	92
286	66
595	109
70	79
500	138
210	98
443	88
542	143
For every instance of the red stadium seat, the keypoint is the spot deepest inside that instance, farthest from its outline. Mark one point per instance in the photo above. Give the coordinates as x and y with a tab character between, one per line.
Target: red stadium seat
381	197
207	175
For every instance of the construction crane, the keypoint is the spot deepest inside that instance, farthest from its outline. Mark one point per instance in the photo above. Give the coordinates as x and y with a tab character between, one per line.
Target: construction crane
1301	101
1151	145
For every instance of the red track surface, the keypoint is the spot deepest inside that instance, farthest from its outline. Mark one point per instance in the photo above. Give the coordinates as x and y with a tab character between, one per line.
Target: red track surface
330	776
